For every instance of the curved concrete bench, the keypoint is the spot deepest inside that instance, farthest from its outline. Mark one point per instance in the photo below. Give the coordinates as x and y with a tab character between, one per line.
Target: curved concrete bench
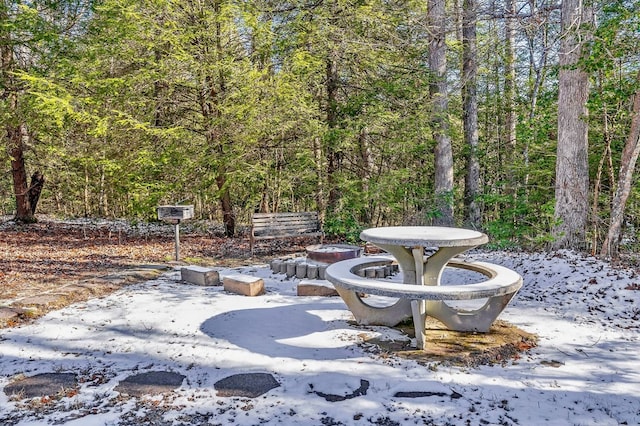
420	301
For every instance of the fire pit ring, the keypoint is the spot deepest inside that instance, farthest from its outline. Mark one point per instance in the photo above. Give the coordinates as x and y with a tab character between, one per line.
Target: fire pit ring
332	253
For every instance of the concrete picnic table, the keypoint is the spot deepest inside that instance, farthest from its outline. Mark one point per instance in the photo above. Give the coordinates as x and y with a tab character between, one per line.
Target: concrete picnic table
408	245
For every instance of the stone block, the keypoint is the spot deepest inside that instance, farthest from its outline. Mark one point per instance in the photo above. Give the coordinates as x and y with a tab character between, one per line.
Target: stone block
291	265
312	271
276	265
316	288
243	284
200	275
321	271
301	270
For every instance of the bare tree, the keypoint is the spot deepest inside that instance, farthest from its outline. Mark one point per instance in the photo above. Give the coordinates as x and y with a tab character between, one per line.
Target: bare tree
627	165
572	172
510	77
470	113
438	90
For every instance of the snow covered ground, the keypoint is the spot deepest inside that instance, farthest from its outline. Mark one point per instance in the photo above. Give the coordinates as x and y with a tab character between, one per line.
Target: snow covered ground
585	370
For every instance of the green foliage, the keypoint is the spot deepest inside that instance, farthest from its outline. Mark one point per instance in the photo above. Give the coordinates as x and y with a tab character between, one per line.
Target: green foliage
521	222
344	227
148	103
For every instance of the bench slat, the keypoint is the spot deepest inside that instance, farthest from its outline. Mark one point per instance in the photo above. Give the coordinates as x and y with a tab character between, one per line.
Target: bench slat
280	232
284	232
285	214
285	225
283	217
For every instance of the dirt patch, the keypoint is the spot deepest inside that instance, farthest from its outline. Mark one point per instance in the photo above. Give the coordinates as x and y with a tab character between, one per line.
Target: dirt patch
503	342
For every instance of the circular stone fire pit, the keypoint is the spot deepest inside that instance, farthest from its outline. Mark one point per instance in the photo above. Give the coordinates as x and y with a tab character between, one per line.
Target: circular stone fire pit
332	253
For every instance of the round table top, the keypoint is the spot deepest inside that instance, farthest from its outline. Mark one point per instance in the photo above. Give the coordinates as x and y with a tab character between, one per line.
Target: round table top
414	236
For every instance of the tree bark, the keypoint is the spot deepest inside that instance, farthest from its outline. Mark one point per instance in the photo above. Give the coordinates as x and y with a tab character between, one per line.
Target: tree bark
510	77
333	155
364	174
611	244
215	89
228	217
470	114
572	172
438	90
35	189
24	212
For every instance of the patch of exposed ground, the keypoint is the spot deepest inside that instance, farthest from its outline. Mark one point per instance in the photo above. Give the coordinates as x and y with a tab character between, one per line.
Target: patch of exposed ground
502	343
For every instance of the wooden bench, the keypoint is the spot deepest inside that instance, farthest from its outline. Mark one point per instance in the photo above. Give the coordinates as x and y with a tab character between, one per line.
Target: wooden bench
266	226
419	300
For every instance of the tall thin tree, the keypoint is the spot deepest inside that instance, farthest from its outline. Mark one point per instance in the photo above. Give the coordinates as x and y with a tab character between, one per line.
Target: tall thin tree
436	18
572	172
470	113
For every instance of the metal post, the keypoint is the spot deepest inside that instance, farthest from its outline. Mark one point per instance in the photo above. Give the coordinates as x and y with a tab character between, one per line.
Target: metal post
177	232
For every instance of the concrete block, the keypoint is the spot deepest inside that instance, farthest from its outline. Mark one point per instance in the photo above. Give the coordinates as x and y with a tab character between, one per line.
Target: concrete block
301	270
312	271
243	284
200	275
316	288
291	267
321	271
276	265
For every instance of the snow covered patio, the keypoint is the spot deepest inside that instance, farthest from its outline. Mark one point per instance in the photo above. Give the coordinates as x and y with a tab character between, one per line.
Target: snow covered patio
584	370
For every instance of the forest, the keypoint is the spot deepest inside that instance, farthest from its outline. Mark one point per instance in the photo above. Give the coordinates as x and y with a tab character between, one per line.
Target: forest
517	117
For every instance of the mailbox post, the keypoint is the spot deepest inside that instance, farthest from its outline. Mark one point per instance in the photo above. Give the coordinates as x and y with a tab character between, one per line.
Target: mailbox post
175	214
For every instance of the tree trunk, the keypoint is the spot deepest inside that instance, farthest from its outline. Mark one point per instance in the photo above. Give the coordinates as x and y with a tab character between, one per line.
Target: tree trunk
510	77
470	114
37	182
333	155
596	197
572	172
511	157
610	246
364	174
438	90
228	217
212	91
24	212
320	173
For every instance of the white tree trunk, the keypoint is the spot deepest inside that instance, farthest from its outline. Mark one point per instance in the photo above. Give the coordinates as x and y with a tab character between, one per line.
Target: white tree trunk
439	111
572	172
470	114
